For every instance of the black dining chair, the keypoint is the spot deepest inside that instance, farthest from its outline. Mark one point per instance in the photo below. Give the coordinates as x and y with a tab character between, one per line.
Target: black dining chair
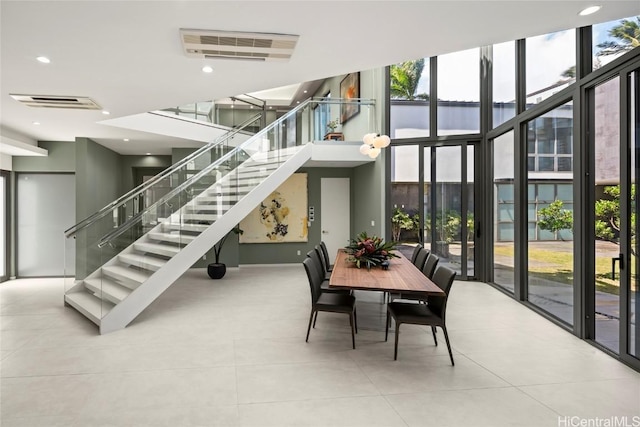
430	314
325	254
329	302
323	261
421	258
315	255
416	251
323	276
430	265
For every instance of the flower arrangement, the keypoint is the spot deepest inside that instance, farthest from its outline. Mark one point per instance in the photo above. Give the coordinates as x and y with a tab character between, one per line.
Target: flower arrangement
333	124
369	250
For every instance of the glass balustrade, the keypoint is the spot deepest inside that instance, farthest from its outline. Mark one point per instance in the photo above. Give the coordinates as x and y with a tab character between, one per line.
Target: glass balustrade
131	238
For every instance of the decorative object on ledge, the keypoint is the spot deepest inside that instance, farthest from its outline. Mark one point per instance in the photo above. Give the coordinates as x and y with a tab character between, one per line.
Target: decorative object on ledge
373	144
333	125
370	251
334	136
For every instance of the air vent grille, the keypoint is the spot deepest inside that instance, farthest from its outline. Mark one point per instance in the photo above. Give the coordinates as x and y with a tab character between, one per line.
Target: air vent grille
235	45
54	101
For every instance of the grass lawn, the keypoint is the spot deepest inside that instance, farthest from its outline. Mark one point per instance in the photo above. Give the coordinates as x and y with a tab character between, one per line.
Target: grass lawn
558	267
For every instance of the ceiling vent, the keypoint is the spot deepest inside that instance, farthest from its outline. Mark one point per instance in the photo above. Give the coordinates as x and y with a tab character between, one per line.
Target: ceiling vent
234	45
54	101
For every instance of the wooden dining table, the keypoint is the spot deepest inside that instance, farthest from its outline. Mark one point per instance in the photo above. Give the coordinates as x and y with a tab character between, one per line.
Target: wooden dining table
401	277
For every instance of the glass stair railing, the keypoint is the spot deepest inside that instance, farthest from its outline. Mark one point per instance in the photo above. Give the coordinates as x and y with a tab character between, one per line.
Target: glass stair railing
123	265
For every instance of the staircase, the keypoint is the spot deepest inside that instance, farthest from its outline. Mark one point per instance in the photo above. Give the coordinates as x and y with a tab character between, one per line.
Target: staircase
153	248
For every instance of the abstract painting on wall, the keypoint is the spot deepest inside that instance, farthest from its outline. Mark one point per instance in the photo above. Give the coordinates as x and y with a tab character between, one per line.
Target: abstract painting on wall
281	217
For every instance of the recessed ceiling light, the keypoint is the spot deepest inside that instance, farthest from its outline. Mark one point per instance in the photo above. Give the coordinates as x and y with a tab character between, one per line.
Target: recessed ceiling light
305	91
270	107
43	59
105	112
126	140
36	123
589	10
232	106
207	69
148	154
297	102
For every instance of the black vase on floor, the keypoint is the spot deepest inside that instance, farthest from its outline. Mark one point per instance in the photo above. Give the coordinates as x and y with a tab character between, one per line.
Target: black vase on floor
216	271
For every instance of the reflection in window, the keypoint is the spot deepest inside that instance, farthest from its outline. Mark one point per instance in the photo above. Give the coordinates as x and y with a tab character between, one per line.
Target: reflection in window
504	210
409	87
504	82
459	92
550	212
551	64
549	141
613	39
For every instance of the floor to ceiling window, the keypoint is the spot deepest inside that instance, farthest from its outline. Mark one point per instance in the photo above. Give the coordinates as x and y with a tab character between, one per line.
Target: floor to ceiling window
555	196
550	212
606	190
633	304
502	149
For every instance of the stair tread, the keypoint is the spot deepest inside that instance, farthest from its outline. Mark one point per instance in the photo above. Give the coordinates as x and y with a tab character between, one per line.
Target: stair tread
89	305
108	287
183	226
144	259
129	273
157	247
173	237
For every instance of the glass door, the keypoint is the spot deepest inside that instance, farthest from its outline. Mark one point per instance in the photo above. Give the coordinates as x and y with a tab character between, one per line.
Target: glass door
615	150
632	296
449	206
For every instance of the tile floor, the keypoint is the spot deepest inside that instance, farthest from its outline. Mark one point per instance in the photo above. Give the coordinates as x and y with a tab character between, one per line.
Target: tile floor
232	353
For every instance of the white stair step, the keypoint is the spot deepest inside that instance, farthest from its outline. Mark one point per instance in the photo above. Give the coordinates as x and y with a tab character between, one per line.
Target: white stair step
129	277
142	261
193	228
160	249
175	237
215	207
107	289
200	217
92	307
225	198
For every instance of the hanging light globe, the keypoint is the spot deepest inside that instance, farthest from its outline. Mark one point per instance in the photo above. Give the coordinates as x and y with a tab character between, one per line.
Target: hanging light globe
365	148
374	152
368	138
385	140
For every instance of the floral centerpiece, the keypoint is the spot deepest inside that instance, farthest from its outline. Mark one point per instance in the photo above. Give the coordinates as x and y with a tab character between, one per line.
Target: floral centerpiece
369	251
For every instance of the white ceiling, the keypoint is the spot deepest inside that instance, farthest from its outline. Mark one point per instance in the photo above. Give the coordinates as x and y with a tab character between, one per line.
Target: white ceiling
127	56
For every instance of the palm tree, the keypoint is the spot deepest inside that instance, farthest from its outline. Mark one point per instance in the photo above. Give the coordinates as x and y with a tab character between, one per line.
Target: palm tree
405	78
628	34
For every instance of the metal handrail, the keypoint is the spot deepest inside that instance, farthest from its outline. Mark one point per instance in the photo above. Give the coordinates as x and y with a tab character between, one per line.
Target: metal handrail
144	186
134	219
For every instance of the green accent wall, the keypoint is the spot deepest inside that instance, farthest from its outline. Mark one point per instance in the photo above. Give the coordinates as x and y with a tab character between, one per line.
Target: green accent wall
368	197
61	158
129	163
281	253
